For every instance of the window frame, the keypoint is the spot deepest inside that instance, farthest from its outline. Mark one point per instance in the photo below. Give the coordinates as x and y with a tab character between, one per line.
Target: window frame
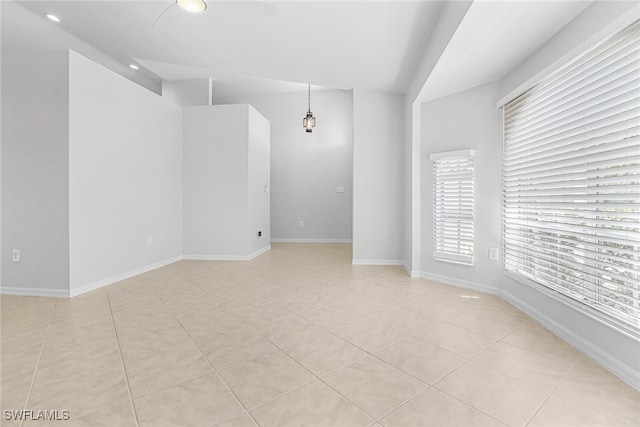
465	228
588	305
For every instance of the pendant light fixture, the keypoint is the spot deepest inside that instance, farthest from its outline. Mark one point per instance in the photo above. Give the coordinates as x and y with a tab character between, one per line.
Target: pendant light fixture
309	122
193	6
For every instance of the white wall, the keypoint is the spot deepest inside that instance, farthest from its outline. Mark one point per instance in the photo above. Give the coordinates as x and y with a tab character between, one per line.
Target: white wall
226	166
125	175
378	177
468	119
444	28
593	25
35	178
23	31
215	180
259	182
306	168
188	92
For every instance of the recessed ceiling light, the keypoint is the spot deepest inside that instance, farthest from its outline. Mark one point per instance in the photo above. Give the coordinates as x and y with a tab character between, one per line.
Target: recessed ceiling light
51	17
134	66
193	6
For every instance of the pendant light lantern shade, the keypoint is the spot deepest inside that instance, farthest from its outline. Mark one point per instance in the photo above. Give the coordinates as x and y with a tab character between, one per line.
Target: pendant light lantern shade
309	122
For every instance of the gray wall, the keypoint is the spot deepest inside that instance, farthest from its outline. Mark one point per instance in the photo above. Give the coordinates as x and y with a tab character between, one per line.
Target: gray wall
307	168
35	172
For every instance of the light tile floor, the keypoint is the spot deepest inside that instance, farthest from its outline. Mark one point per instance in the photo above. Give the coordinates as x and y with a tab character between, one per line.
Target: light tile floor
297	336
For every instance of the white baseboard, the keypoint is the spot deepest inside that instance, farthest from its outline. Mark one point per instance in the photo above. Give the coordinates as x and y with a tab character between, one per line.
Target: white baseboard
227	257
359	261
311	241
412	273
34	292
460	283
118	277
623	371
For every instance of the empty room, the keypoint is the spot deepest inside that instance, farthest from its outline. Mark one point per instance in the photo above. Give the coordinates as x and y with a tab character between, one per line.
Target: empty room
325	213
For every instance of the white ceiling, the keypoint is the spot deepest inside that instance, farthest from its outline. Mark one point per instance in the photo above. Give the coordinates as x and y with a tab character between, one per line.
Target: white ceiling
340	44
257	47
493	38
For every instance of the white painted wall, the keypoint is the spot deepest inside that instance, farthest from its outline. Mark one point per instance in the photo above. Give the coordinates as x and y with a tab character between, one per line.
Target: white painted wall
306	168
215	180
26	32
444	28
378	177
465	120
125	175
222	143
35	177
597	22
188	92
259	182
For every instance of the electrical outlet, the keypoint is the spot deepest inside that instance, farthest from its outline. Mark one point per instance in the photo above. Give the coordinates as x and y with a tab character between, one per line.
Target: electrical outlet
493	254
15	255
301	224
149	240
259	233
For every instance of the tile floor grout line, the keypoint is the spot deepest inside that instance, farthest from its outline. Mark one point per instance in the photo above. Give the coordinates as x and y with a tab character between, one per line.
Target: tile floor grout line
532	416
124	368
173	385
469	405
381	360
316	376
243	277
567	372
350	363
505	374
215	371
35	369
401	404
564	377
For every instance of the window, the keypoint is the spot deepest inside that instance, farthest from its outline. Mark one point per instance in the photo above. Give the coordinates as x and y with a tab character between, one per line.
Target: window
453	206
571	180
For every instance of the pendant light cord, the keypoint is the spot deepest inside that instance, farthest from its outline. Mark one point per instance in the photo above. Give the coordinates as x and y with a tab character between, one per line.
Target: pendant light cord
162	14
309	97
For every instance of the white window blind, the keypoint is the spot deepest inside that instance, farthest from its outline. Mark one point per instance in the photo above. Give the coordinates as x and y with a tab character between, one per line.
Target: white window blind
571	195
453	206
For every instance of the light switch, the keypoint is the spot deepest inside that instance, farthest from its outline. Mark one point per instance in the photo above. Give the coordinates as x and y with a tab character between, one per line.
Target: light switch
340	189
15	255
